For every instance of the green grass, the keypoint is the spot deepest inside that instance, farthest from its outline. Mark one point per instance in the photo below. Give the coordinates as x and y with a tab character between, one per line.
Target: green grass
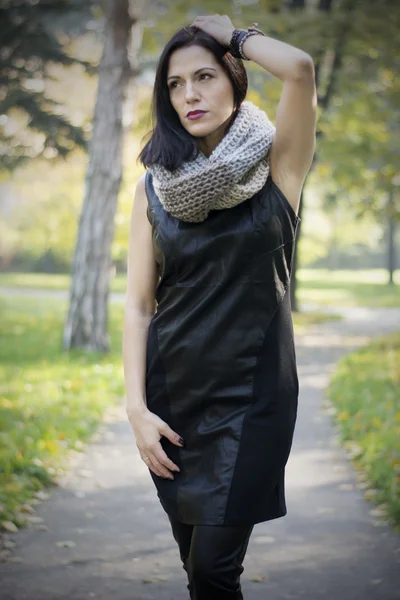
365	391
45	281
340	288
302	321
348	288
50	400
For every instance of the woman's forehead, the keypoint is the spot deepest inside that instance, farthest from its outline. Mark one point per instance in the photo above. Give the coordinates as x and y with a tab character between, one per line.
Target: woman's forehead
190	58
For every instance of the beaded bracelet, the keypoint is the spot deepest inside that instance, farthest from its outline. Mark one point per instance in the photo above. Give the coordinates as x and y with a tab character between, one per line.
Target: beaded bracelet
239	36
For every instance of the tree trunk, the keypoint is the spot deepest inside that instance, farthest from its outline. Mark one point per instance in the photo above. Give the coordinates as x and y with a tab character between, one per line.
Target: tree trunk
391	259
87	320
323	5
348	6
293	284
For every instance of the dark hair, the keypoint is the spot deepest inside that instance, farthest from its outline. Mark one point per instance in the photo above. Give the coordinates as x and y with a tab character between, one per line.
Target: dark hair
170	144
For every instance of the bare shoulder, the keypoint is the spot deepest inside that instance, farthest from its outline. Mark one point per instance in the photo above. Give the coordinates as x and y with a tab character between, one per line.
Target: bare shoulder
140	203
142	266
141	188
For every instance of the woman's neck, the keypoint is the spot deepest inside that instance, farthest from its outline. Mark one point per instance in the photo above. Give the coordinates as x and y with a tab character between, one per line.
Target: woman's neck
208	143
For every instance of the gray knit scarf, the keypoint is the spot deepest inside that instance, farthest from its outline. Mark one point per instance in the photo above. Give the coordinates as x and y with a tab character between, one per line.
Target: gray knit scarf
237	169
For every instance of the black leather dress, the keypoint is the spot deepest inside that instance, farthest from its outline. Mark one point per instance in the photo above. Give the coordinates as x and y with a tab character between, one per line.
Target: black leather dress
221	364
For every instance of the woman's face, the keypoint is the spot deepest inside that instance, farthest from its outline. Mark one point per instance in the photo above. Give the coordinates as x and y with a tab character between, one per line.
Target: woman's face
197	82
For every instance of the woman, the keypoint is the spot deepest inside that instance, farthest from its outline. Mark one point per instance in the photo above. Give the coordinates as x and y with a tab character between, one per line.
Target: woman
209	357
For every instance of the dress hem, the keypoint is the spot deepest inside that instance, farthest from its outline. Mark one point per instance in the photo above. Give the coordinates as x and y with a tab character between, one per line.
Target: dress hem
229	522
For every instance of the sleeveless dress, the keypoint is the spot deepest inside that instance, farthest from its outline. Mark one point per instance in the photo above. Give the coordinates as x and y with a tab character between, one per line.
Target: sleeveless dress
220	361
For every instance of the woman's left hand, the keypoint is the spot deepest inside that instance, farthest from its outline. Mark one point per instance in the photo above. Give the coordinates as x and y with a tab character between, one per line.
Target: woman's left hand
220	27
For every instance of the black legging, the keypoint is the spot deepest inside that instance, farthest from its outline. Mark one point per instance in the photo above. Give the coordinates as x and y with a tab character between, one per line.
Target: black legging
212	557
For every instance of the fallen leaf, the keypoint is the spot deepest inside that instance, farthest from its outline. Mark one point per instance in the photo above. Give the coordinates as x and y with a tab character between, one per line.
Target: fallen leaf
15	559
34	519
85	473
257	578
27	508
9	526
379	511
4	554
66	544
346	486
380	523
325	510
41	495
362	485
264	539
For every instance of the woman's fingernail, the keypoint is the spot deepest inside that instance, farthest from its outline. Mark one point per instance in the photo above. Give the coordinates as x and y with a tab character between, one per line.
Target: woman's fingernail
181	441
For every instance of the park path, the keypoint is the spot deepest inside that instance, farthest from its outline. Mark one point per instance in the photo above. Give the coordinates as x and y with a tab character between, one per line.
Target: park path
104	534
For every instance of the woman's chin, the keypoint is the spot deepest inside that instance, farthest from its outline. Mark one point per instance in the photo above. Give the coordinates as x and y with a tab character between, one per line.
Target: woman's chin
199	131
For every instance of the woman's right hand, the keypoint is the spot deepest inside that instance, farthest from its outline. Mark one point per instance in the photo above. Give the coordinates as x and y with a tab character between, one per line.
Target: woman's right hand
148	429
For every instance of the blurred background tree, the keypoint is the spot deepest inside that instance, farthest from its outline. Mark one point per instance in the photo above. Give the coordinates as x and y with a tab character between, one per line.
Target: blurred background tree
350	202
87	320
33	124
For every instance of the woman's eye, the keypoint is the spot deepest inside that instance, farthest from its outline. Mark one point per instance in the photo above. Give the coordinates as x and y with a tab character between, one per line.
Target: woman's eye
174	83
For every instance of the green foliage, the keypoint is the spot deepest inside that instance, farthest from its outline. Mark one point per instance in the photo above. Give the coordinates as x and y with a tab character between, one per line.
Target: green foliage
42	281
46	215
353	47
358	151
365	393
31	123
348	288
50	400
355	151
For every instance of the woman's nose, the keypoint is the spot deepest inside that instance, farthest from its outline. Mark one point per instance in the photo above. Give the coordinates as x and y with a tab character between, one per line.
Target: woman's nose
190	91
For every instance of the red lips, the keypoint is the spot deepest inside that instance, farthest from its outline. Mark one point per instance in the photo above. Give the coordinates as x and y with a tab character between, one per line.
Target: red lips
195	112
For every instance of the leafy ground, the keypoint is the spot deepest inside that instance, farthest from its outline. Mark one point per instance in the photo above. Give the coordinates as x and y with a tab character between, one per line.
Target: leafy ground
365	391
320	286
52	401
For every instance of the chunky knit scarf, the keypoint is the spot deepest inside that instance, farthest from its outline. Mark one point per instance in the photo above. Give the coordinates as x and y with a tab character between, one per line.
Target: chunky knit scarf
237	169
